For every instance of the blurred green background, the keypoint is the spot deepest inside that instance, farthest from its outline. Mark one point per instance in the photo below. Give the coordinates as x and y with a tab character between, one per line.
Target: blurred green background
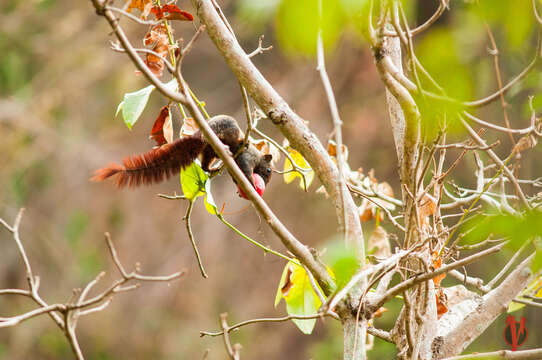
59	88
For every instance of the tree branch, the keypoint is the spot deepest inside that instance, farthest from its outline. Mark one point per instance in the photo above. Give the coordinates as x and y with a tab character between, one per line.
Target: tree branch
289	123
495	302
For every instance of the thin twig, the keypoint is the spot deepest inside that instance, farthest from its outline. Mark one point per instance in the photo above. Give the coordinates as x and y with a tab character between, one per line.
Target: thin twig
266	320
191	237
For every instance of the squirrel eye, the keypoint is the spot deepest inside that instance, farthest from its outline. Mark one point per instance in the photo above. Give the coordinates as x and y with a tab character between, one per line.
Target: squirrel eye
268	170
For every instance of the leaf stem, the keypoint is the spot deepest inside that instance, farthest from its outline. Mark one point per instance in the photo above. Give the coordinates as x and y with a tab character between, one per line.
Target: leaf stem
263	247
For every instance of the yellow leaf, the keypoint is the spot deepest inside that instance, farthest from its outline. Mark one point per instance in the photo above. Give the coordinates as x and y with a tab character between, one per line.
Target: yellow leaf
300	162
301	299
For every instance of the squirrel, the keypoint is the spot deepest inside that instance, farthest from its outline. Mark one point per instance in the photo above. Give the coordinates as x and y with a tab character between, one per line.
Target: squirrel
161	163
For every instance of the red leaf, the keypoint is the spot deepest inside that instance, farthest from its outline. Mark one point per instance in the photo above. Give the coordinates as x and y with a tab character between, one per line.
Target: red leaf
158	12
174	13
180	15
442	302
157	131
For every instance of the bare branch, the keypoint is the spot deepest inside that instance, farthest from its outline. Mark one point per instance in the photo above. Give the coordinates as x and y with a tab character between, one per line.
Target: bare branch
480	317
443	5
267	320
416	279
191	237
289	123
532	354
260	49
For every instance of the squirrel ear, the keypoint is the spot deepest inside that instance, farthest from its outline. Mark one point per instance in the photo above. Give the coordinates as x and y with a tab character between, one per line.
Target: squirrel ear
268	157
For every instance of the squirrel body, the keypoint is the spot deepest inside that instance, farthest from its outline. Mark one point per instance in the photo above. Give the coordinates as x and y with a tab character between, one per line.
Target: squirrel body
161	163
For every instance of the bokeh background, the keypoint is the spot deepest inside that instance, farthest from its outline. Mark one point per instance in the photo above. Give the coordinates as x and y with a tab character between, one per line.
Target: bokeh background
59	88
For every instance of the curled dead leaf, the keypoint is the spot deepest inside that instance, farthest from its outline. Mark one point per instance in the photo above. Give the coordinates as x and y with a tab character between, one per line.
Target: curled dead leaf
188	128
171	12
332	149
144	6
378	313
267	148
369	208
158	38
525	143
162	130
379	244
436	264
442	302
428	206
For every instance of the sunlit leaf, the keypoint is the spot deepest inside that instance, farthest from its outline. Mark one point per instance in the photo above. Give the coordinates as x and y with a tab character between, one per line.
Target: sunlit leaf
535	284
300	161
536	264
297	24
296	290
209	201
518	229
515	16
342	261
379	243
193	180
356	13
256	13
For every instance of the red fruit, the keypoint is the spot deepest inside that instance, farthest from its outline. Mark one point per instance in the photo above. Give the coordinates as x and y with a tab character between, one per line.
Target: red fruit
259	185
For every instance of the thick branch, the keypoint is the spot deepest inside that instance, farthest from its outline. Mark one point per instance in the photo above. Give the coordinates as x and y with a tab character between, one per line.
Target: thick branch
532	354
493	304
291	243
289	123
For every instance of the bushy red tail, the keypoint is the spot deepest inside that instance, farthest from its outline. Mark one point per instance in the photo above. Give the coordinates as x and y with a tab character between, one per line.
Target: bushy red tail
154	166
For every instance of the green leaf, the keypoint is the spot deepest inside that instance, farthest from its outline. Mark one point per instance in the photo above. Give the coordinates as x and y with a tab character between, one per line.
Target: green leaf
518	228
343	263
133	105
209	201
533	285
514	17
514	306
536	264
193	180
296	289
297	24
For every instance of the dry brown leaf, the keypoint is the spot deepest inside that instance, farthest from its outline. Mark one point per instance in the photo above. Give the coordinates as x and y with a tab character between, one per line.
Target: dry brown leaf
157	36
365	211
369	208
188	128
144	6
332	149
266	148
379	243
436	264
428	206
442	302
525	143
168	129
378	313
158	131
